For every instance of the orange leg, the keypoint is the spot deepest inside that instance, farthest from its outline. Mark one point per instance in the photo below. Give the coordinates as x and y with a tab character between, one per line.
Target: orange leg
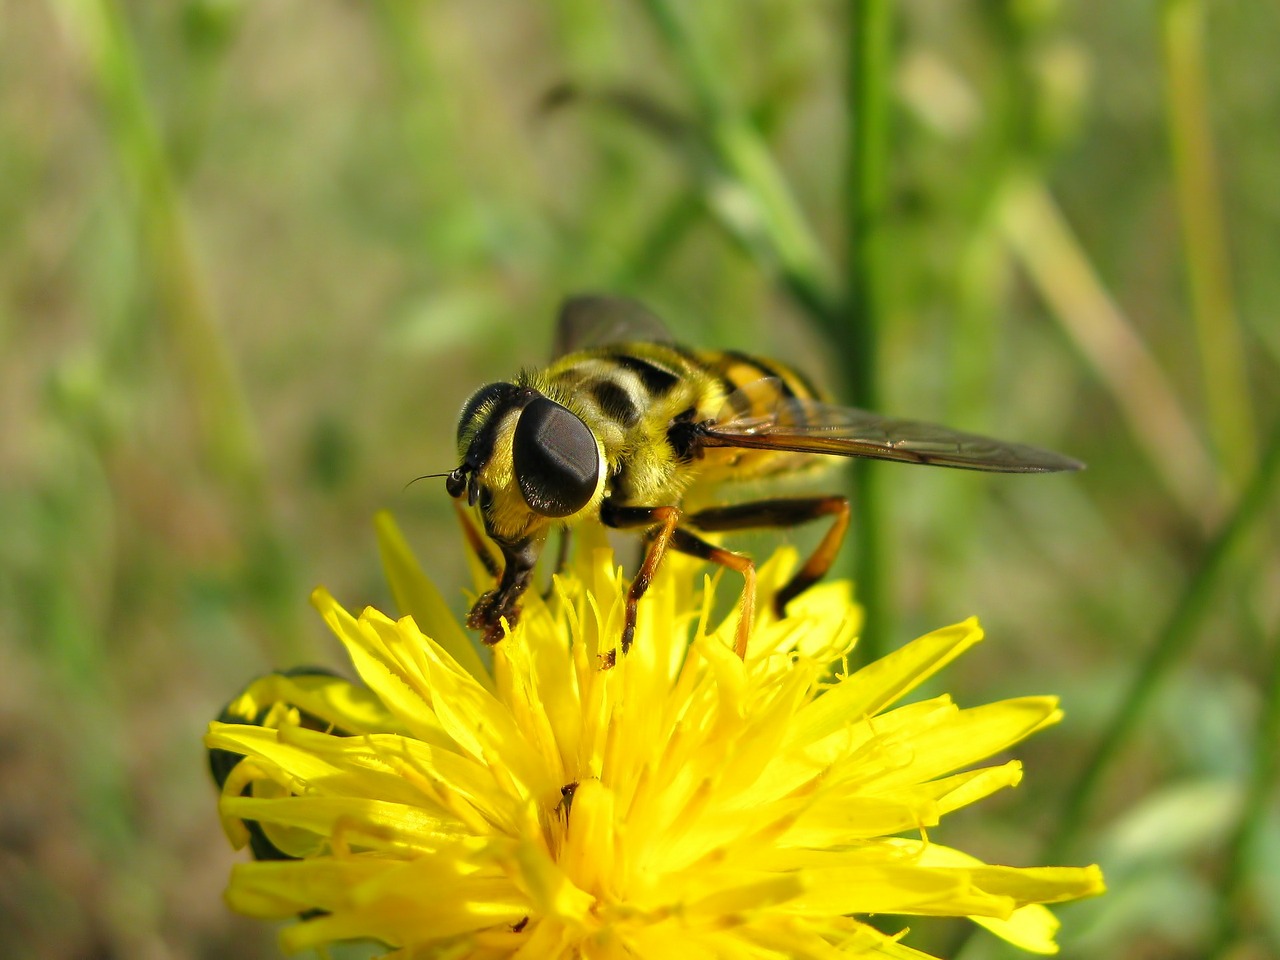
661	522
664	533
686	542
790	512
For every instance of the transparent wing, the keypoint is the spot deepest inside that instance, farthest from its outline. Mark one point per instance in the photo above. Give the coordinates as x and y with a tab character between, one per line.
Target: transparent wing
593	320
762	416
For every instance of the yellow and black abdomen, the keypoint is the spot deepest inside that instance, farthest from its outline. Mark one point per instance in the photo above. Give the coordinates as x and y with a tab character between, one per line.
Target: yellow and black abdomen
735	374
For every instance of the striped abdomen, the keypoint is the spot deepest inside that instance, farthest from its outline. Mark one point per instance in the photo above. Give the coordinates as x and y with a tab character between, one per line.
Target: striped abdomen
735	373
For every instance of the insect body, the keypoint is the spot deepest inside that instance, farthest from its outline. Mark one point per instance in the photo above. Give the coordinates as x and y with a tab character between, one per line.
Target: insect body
620	430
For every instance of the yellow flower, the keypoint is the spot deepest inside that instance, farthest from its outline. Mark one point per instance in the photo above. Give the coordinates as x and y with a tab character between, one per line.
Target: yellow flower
683	804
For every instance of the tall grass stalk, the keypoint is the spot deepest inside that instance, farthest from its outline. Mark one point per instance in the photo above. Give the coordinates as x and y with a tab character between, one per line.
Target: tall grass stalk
225	429
1236	873
1204	237
751	196
1042	242
857	330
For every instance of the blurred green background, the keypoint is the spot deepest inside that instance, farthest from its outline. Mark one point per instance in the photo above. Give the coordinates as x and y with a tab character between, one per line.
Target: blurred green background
254	256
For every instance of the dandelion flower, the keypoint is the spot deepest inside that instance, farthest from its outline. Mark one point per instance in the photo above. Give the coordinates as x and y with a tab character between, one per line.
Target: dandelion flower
684	803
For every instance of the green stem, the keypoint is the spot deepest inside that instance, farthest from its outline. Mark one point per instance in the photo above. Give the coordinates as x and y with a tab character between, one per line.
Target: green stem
224	427
1174	640
1253	815
1204	237
858	329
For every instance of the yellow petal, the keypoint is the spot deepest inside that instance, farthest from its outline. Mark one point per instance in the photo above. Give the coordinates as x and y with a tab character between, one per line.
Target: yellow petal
589	847
838	887
395	828
881	683
1032	927
296	767
417	597
551	891
335	701
962	789
278	889
399	685
838	818
970	736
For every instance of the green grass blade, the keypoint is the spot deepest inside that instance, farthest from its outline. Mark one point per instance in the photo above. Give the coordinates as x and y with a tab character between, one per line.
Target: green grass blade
1044	245
1172	643
858	330
1233	905
1204	237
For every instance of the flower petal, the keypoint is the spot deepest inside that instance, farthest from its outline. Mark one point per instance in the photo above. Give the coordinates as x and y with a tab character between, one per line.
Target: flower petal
1032	927
883	682
417	597
675	802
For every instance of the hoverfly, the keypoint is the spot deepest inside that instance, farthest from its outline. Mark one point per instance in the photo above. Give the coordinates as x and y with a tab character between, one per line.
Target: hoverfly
620	426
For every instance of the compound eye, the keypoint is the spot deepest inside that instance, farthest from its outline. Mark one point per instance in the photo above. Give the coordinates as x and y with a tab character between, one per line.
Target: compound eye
556	460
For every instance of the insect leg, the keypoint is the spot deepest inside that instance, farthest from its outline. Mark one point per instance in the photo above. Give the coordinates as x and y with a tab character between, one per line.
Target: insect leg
785	512
519	557
687	542
475	541
662	523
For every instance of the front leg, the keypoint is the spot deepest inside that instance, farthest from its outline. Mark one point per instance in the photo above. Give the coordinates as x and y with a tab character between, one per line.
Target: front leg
476	541
661	524
519	558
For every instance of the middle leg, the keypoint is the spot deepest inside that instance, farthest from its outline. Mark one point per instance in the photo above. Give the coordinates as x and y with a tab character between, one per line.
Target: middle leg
663	534
687	542
785	512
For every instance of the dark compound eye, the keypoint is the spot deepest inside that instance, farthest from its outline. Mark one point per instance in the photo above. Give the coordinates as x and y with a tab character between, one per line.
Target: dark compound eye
556	459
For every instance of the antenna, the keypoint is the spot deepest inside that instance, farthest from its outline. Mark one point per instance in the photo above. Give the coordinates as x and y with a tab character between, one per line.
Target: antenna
425	476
